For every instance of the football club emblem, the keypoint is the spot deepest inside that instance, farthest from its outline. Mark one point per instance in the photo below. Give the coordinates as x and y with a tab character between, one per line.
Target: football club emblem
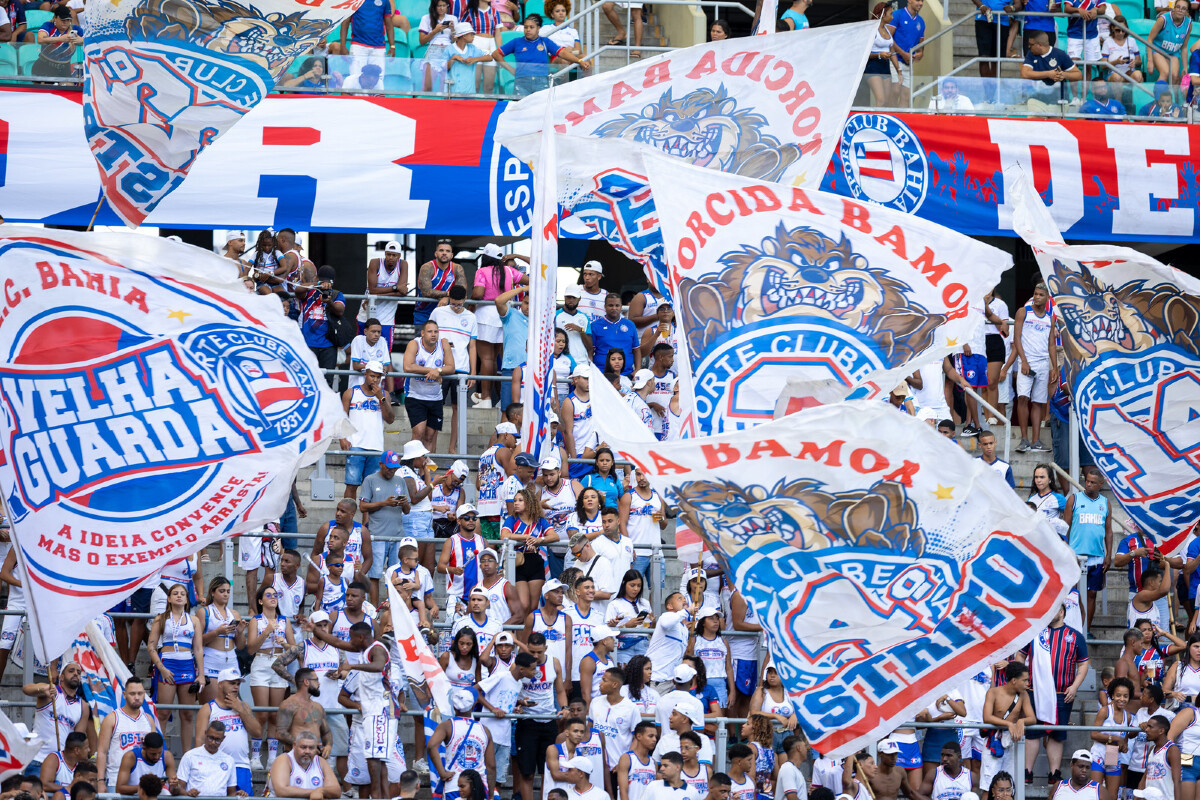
883	162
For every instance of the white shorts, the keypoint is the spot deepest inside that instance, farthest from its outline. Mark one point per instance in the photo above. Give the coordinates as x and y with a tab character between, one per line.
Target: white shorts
1037	386
972	745
904	76
989	765
361	55
255	552
217	660
487	320
12	626
1076	48
380	745
261	673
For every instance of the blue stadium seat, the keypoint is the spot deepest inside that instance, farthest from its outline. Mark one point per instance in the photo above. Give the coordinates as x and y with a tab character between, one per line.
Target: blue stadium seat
36	18
535	7
26	55
8	59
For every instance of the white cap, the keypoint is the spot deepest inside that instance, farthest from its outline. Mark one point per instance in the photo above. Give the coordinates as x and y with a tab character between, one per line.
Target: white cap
581	763
888	747
641	378
317	617
707	611
487	551
375	366
504	637
462	699
683	673
392	247
463	28
551	462
693	712
493	250
968	796
695	572
465	508
551	585
581	371
574	290
460	469
233	235
409	541
23	731
600	632
413	449
479	590
1150	793
594	266
506	427
1085	755
229	674
925	414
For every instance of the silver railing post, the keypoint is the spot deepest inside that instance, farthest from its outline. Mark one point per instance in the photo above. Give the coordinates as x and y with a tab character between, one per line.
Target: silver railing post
27	665
658	572
1019	777
461	400
722	746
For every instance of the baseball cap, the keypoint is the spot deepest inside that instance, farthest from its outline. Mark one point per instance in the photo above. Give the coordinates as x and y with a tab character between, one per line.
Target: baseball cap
692	712
493	250
390	459
372	366
409	541
683	673
578	540
526	460
506	427
317	617
551	585
229	673
581	763
504	637
392	247
232	235
1150	793
581	371
708	611
490	553
574	290
460	468
600	632
478	590
1083	755
641	378
463	28
888	747
901	390
465	508
594	266
696	572
550	462
462	699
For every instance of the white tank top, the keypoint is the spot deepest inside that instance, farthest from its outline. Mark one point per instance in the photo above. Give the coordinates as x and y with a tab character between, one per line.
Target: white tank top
598	673
540	688
882	44
321	659
948	788
556	634
497	603
642	528
68	713
1189	738
641	775
1035	335
583	427
1132	615
365	416
178	634
781	707
466	745
652	304
373	687
743	789
276	640
63	775
1111	720
213	619
698	781
559	503
1158	774
300	778
464	678
127	734
333	593
142	767
672	425
352	553
581	636
744	648
420	388
237	740
1187	680
384	308
712	653
291	595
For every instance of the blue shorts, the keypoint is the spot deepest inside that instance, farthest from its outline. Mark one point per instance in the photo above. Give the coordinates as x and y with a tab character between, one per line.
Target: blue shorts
973	368
909	756
1064	712
184	670
359	467
745	676
1187	774
244	782
1098	766
139	601
1095	579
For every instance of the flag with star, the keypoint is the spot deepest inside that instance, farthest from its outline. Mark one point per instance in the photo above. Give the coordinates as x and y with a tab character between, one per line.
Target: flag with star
17	748
150	405
884	563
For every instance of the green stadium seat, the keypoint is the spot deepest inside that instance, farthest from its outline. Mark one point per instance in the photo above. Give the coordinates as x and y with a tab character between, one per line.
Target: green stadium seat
26	55
36	18
535	7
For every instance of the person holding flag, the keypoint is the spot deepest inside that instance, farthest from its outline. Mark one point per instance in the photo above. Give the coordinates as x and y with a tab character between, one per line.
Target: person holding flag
59	710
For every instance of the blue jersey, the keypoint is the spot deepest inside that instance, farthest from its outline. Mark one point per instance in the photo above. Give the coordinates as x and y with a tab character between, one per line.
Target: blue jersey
366	24
1087	525
1038	23
607	335
910	30
533	57
1173	37
1075	28
1109	106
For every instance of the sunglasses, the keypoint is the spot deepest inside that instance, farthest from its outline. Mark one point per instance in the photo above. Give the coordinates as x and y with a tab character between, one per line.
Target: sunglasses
470	517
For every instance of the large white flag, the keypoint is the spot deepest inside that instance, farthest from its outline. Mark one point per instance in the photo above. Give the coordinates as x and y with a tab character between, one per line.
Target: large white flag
773	281
421	668
885	563
149	406
1130	329
15	750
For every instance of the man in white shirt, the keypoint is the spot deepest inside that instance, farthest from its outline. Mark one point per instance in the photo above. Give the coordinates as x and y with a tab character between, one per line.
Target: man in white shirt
500	693
680	697
578	771
612	545
368	346
614	715
684	719
206	770
456	325
596	567
670	638
670	785
591	296
577	324
790	785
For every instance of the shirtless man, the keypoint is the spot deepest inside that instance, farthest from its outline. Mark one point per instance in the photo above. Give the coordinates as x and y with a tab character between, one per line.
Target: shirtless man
858	775
887	780
299	713
1006	707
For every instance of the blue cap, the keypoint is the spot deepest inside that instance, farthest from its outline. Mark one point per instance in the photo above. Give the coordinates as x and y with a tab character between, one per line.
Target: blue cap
526	460
391	459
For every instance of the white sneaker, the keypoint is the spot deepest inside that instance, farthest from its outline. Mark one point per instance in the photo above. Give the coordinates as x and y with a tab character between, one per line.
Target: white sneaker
421	767
484	403
476	397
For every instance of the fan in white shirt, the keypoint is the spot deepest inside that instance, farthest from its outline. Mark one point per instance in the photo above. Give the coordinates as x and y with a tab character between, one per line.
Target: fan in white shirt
578	770
207	768
789	783
671	785
598	568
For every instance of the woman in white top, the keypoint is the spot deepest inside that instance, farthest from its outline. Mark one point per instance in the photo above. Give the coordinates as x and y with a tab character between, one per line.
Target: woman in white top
637	686
562	365
435	32
771	699
883	53
269	635
630	610
1183	677
461	661
223	634
714	653
1122	57
1047	499
178	657
1108	745
559	32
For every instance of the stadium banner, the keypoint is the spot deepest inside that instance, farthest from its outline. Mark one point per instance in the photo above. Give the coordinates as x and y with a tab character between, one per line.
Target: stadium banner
883	560
307	162
164	79
419	668
773	281
16	749
149	406
1130	329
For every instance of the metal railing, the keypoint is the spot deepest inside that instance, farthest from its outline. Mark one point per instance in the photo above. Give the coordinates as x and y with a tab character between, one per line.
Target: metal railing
985	405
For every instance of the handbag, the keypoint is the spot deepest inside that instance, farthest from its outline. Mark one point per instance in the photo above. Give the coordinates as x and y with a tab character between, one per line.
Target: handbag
995	737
